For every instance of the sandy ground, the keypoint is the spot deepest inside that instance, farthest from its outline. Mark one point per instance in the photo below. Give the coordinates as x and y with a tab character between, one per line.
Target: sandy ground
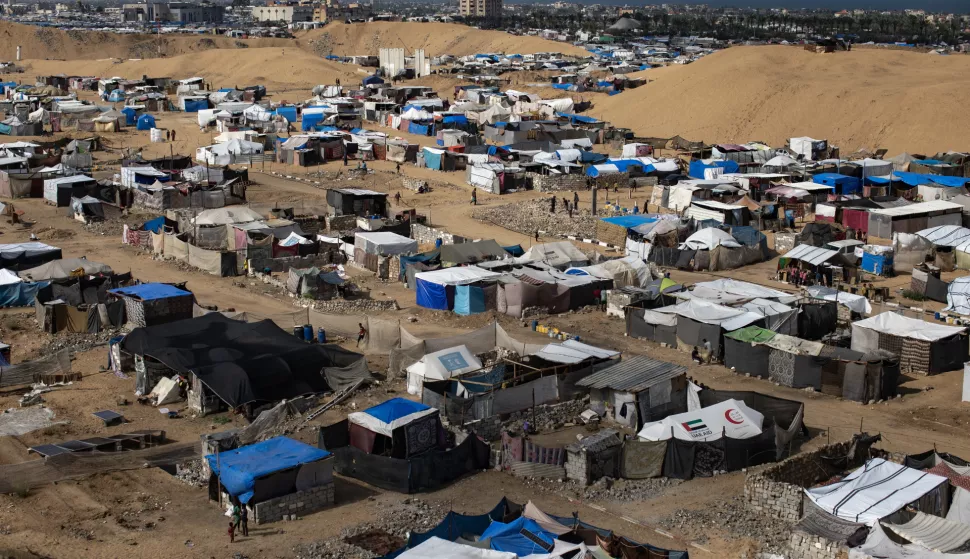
147	512
869	98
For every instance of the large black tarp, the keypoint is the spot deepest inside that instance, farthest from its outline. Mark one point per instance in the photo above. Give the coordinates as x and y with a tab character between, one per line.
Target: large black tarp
817	320
679	461
241	362
25	256
426	471
948	354
666	257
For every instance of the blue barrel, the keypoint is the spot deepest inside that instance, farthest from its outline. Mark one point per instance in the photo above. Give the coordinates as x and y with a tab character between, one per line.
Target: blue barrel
937	315
298	331
308	332
576	338
535	324
321	335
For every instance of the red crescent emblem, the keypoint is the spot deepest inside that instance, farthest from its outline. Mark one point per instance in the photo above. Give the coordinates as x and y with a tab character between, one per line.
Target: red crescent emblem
727	416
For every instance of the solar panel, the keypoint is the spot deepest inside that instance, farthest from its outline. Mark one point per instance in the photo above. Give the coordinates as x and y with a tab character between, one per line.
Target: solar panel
109	417
47	450
99	441
75	445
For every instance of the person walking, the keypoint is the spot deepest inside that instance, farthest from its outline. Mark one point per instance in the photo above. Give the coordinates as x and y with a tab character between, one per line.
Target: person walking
244	517
397	195
236	516
361	334
345	157
707	350
173	135
537	235
232	532
474	196
552	209
576	201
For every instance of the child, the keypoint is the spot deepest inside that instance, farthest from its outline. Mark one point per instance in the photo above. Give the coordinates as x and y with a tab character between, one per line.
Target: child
232	531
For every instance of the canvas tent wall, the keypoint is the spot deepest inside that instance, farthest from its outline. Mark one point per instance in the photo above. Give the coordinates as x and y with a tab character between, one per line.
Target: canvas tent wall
923	347
59	191
559	255
440	365
914	217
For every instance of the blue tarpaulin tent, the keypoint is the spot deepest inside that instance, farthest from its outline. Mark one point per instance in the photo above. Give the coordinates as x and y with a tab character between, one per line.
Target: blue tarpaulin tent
916	179
879	264
592	157
131	116
146	122
514	250
116	96
312	120
523	536
843	184
697	167
574	118
238	469
469	300
289	113
373	80
21	294
196	105
431	295
432	160
458	120
395	409
419	129
624	164
150	291
747	236
155	225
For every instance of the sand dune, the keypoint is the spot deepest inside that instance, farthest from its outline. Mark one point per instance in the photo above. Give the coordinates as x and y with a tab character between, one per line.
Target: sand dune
293	71
436	38
42	42
865	98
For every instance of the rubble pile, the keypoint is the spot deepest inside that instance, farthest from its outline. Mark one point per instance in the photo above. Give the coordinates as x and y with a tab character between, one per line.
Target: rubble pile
628	490
192	472
733	517
78	343
411	515
527	217
547	417
355	306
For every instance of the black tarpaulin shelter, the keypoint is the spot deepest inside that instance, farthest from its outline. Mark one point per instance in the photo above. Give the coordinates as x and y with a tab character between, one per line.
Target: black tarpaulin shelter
241	362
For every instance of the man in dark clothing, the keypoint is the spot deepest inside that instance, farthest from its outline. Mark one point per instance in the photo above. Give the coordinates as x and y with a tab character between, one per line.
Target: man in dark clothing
537	235
576	201
173	135
361	333
552	209
244	519
345	158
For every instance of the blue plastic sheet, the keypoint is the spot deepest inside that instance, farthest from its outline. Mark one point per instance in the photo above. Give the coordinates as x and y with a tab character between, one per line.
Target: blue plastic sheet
238	469
574	118
843	184
289	113
155	225
629	221
150	291
431	295
878	264
146	122
394	409
196	105
747	236
131	117
916	179
469	300
697	167
419	129
20	294
311	120
432	160
512	537
514	250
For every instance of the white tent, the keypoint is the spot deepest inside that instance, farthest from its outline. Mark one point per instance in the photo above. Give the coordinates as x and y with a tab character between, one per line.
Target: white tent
857	303
874	491
384	243
571	352
165	392
727	318
441	365
437	548
780	161
709	239
865	333
561	255
932	532
731	418
8	278
227	216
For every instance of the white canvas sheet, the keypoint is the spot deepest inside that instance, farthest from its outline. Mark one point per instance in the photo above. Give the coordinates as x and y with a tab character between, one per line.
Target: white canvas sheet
746	290
932	532
709	239
825	210
384	243
857	303
7	277
371	423
441	365
874	491
960	506
879	545
457	276
899	325
710	313
437	548
573	351
731	418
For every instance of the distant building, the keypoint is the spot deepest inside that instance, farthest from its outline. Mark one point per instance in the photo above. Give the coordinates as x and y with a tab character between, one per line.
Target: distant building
174	12
286	13
352	11
489	9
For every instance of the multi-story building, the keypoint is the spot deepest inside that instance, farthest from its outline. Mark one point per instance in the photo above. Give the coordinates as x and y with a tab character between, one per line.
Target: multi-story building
288	13
174	12
489	9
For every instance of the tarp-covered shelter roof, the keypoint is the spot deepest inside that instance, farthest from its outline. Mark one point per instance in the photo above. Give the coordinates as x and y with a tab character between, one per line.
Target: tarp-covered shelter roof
387	416
465	253
730	418
711	313
227	216
241	362
903	326
573	351
462	275
635	374
919	208
810	254
64	268
238	469
150	291
874	491
947	236
709	239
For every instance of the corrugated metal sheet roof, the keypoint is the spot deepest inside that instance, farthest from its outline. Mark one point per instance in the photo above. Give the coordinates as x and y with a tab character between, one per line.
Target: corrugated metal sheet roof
634	374
607	438
811	254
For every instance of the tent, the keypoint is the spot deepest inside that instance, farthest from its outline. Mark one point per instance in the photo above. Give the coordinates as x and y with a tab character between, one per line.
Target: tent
855	303
923	347
241	469
384	243
709	239
400	427
436	289
436	548
730	418
875	491
145	122
441	365
559	255
958	296
19	256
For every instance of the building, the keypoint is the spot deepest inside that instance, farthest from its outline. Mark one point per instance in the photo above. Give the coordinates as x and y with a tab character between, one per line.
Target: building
489	9
174	12
286	13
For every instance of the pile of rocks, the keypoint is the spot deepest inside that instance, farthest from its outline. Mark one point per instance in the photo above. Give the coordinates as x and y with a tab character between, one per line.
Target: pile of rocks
395	519
527	217
548	416
356	306
192	472
628	490
78	343
733	518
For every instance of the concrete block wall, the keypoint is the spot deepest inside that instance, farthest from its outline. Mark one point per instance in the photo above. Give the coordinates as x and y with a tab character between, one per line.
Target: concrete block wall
425	235
413	184
300	503
489	429
553	183
577	467
806	546
284	264
341	223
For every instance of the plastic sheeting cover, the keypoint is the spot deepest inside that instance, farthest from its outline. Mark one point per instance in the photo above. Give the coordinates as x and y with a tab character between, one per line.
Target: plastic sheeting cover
730	418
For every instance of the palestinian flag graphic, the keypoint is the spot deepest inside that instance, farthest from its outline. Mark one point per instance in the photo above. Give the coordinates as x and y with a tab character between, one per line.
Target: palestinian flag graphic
694	425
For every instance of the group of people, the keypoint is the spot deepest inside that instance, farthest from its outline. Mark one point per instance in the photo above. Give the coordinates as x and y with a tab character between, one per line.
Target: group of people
239	519
699	357
565	204
803	278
